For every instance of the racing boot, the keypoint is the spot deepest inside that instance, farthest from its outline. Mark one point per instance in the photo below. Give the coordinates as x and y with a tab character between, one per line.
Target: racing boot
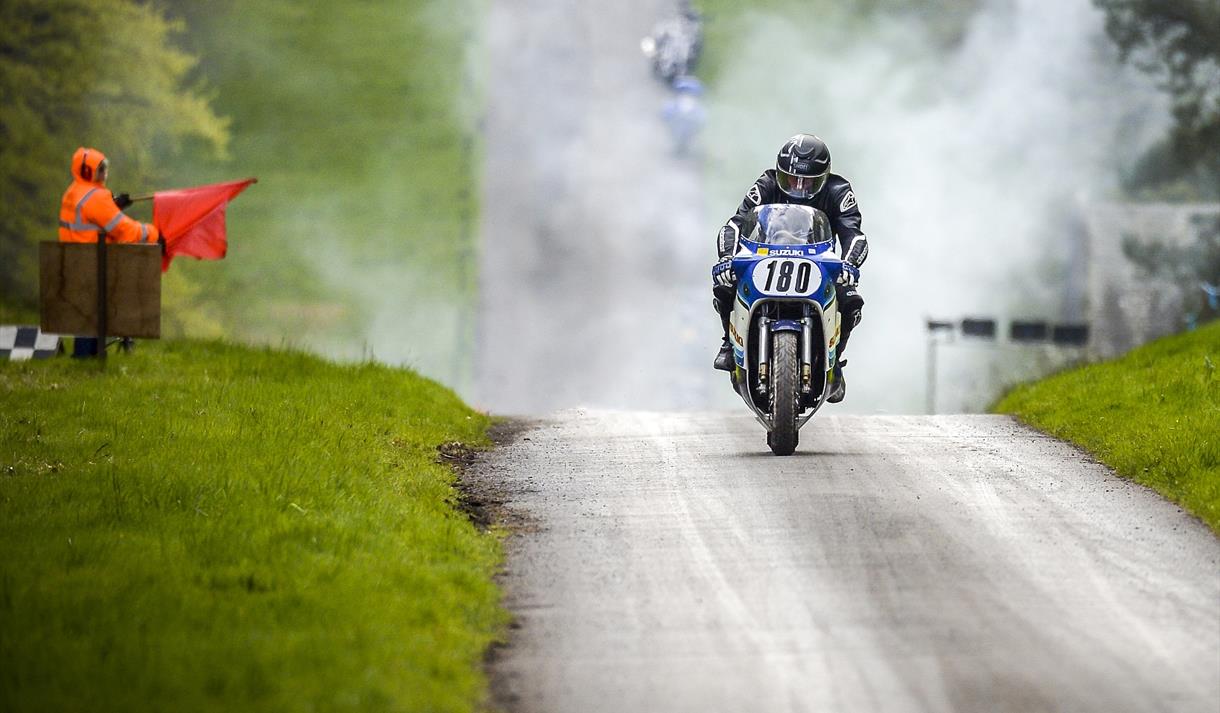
838	386
724	357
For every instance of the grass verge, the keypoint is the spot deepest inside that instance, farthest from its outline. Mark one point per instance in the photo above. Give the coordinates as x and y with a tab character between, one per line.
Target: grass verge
1152	415
211	527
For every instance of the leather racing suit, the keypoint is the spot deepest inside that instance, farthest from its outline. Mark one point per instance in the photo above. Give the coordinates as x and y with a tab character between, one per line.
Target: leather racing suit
838	202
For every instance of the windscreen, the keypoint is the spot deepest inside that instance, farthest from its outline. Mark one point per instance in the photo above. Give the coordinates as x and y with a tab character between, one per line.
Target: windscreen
790	225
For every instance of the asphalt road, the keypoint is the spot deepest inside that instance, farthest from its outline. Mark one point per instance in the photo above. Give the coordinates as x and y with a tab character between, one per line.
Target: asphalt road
668	562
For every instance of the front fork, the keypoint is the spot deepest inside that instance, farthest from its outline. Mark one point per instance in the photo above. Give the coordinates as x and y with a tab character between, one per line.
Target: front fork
764	353
806	354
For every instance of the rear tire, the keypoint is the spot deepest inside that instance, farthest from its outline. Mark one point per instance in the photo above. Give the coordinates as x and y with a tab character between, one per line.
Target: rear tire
785	393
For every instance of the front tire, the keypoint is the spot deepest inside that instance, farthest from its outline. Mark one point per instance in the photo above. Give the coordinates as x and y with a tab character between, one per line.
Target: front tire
785	393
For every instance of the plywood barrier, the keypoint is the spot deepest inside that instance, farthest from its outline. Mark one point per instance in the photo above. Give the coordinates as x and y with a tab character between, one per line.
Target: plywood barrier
68	289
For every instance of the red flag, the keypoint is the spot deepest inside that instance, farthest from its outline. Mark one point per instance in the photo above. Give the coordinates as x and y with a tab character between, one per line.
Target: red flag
192	220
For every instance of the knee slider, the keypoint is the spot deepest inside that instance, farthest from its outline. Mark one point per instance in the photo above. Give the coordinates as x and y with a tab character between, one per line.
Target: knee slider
853	311
851	305
722	298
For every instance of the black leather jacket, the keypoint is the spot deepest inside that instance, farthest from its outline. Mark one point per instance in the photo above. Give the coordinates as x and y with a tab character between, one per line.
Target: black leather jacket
836	200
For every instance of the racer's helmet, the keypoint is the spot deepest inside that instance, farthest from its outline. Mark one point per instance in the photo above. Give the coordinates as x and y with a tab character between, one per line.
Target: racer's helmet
802	166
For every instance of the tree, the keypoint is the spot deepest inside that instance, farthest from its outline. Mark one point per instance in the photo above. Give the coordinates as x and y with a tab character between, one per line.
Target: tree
100	73
1177	41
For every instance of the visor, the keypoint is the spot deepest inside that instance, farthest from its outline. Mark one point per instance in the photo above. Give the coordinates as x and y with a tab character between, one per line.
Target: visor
800	187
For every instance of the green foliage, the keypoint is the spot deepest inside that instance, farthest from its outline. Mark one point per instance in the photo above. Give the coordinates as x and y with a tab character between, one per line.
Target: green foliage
1177	41
1152	415
100	73
942	22
208	527
358	118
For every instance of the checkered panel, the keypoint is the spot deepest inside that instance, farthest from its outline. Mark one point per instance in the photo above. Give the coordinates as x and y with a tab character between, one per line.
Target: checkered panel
21	343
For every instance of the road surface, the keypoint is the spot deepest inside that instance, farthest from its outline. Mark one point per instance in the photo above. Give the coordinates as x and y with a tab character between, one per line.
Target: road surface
668	562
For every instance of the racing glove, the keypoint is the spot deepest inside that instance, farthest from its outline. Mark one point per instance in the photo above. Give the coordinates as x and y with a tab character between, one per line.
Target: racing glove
122	200
722	272
849	276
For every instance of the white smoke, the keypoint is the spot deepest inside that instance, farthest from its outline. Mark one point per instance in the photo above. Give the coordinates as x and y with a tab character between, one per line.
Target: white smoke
595	282
966	163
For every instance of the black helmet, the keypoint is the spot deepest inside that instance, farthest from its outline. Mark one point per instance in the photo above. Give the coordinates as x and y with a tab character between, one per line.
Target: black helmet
802	166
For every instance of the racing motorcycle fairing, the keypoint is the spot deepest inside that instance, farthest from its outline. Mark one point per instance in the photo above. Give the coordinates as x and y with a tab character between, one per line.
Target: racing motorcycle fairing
786	271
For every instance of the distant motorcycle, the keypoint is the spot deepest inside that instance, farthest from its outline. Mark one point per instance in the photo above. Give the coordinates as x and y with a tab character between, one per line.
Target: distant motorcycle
684	114
785	322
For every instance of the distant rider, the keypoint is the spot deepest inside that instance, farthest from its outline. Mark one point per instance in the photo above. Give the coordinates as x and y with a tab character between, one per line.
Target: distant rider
801	176
676	43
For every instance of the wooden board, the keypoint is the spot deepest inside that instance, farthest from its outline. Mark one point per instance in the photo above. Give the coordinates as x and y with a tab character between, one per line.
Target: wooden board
68	289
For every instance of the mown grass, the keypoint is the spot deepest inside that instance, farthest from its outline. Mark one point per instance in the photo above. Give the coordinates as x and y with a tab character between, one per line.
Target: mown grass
210	527
1152	415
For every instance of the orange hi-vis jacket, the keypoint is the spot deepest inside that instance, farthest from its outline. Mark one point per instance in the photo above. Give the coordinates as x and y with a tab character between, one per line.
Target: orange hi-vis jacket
88	208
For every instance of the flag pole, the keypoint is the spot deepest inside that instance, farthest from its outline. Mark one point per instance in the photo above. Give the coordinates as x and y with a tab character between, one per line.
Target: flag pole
144	197
101	297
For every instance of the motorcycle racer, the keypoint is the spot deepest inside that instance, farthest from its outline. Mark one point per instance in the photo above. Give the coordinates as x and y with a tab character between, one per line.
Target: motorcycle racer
801	176
675	44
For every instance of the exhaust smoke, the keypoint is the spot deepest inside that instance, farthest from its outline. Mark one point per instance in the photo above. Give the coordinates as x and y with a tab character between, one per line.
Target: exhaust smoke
969	165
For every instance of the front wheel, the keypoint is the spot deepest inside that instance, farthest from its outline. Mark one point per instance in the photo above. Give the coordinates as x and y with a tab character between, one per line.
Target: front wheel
785	393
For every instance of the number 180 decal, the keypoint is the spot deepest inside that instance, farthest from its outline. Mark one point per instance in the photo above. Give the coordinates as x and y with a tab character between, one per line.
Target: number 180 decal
787	276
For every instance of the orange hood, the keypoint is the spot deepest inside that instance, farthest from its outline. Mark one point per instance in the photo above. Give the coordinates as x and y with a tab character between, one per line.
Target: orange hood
85	163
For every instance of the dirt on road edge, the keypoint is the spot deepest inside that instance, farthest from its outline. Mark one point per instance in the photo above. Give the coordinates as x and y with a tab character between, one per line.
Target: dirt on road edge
484	498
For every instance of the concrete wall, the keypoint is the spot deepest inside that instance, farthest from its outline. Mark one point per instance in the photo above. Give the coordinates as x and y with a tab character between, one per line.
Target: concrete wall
1125	310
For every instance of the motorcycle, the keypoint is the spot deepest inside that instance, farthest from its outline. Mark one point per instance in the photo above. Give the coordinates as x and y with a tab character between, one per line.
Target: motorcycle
785	323
684	114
